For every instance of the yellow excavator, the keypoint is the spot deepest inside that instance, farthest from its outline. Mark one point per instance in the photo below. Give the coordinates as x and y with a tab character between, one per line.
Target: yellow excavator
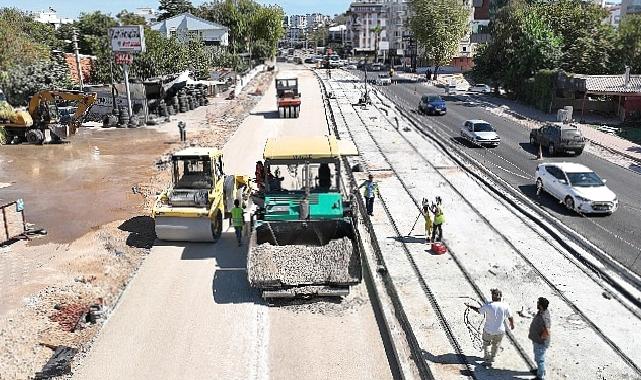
41	122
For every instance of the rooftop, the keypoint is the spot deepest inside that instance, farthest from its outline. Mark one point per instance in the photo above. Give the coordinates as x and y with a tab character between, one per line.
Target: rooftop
301	148
198	151
611	83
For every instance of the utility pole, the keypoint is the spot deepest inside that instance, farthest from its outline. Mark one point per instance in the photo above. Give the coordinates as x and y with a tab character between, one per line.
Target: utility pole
74	40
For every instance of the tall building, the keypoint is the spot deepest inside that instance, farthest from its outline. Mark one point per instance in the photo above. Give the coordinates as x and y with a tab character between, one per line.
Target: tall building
298	21
630	7
398	13
365	17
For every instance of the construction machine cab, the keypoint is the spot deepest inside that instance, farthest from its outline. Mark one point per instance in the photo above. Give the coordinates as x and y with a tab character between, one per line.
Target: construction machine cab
287	87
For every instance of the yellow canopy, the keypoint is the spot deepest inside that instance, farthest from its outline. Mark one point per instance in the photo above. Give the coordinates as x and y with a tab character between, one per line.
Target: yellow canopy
198	151
315	147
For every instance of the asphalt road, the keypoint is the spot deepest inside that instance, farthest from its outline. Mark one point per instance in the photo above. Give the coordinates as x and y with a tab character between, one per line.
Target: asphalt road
513	160
190	313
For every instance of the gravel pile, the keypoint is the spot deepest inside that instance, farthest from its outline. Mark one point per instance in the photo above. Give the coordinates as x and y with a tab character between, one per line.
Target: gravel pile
336	262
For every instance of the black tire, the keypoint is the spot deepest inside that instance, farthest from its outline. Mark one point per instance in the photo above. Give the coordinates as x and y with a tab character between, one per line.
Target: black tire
217	226
35	136
569	203
551	150
578	152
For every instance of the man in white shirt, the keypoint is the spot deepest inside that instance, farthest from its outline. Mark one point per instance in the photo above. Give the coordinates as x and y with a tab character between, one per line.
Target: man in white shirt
496	314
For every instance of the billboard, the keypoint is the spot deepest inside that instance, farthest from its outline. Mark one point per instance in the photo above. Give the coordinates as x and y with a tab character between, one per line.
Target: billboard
127	39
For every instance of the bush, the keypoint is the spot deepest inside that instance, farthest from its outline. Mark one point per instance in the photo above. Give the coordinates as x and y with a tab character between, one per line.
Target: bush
539	91
22	82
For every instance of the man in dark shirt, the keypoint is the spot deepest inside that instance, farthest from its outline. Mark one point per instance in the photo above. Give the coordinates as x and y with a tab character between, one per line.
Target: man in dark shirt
540	336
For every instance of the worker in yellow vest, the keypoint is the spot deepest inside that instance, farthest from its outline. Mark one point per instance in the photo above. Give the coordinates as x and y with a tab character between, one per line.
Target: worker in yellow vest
238	220
439	219
428	222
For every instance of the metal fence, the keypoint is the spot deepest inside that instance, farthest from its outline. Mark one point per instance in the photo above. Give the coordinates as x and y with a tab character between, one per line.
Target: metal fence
13	223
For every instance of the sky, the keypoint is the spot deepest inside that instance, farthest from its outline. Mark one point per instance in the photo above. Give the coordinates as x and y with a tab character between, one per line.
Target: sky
72	8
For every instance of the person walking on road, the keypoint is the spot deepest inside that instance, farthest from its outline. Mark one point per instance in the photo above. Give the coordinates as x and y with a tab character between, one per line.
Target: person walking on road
238	220
371	190
439	219
540	336
428	222
496	314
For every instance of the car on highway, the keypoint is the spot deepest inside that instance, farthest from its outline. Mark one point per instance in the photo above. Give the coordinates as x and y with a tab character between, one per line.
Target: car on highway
350	66
481	88
480	132
383	80
377	67
579	188
558	138
310	60
432	105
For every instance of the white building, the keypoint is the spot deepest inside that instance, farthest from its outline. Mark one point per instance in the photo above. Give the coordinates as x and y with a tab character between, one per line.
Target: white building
187	27
630	7
149	14
298	21
365	17
614	16
316	20
51	17
398	13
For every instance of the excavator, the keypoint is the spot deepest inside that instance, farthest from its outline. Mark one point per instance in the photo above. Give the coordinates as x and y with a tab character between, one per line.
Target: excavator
41	123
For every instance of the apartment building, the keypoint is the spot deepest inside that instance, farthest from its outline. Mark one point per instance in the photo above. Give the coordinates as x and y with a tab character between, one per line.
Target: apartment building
630	7
298	21
51	17
149	14
365	17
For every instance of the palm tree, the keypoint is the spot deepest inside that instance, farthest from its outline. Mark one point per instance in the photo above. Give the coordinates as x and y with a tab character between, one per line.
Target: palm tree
377	31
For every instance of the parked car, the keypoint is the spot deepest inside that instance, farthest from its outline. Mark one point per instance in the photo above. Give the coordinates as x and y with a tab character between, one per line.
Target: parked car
579	188
481	88
384	80
558	138
377	67
310	60
432	105
350	67
480	132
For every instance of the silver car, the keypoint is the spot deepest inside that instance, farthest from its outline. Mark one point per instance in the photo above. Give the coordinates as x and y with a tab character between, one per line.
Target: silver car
480	132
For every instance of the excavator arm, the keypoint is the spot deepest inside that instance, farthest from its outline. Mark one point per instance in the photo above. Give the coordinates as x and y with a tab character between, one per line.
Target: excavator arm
84	100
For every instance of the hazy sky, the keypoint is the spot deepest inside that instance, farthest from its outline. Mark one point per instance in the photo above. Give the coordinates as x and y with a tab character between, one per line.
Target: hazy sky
72	8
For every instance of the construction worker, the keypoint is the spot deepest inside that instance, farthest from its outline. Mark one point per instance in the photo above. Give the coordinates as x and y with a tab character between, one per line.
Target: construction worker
496	313
439	219
260	175
238	219
371	190
428	222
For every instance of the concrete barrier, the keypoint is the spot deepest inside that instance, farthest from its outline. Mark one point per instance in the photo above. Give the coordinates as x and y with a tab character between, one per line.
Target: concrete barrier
242	81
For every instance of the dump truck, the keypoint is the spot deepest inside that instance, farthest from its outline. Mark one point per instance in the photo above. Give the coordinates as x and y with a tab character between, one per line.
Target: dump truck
303	240
288	97
43	123
199	198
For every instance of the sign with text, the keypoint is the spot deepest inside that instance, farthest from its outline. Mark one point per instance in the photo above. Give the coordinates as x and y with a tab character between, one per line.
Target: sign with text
127	39
124	58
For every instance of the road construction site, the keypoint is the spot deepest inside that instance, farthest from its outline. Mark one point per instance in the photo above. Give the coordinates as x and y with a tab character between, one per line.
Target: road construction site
202	313
491	245
188	310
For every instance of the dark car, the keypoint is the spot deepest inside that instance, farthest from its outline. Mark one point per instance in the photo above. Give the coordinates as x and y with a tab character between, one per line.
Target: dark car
432	105
558	138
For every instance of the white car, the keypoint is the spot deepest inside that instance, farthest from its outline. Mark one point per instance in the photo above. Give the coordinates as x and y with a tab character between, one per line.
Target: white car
480	132
481	88
383	80
578	187
350	67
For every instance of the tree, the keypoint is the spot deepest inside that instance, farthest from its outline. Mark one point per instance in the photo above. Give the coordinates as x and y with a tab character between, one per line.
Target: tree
629	43
587	43
22	81
522	44
22	40
93	29
438	26
127	18
171	8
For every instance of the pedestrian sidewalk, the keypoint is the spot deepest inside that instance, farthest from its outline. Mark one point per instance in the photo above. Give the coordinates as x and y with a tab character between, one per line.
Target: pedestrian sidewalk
611	142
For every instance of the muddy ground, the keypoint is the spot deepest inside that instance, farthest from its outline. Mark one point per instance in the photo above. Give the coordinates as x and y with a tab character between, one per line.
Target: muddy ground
93	196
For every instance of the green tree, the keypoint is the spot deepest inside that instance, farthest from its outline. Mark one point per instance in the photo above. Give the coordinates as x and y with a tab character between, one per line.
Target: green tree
629	43
171	8
266	29
17	43
127	18
438	26
93	29
22	81
587	43
522	44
